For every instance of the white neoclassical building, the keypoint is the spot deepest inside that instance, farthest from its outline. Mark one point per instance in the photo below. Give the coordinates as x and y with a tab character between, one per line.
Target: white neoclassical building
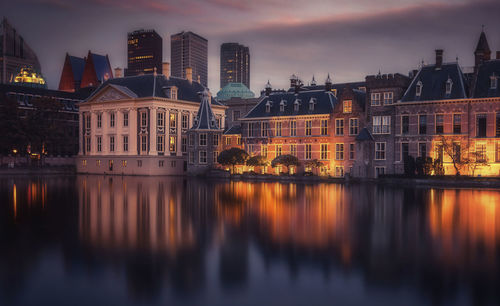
137	125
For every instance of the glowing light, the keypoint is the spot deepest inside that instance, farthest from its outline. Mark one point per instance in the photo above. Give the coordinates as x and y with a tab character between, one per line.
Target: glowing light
29	75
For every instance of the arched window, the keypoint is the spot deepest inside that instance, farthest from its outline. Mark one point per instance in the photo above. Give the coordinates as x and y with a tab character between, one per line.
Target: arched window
312	102
268	106
296	105
493	81
418	89
282	105
449	86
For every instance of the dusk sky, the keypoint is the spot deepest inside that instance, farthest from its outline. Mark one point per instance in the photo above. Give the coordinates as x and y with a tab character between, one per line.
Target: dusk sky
347	38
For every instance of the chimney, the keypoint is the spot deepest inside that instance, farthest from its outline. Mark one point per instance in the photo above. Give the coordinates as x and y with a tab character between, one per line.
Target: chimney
166	69
118	72
439	58
498	54
189	74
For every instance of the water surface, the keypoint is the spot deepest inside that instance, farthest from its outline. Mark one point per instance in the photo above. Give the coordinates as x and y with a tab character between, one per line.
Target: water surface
96	240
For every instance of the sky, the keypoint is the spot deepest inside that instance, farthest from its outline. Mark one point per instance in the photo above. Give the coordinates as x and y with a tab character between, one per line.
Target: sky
347	38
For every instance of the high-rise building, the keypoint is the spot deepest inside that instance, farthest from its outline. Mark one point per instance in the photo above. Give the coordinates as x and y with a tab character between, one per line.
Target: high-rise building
234	64
189	50
145	52
14	53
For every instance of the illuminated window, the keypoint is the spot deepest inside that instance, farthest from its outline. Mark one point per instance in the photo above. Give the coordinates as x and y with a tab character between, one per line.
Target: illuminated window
238	140
339	151
347	106
497	124
173	144
279	150
438	151
98	163
388	98
264	129
375	99
339	171
293	128
124	163
497	154
203	139
324	151
293	149
353	126
380	150
278	128
339	127
481	152
228	141
324	127
173	120
308	127
263	150
308	152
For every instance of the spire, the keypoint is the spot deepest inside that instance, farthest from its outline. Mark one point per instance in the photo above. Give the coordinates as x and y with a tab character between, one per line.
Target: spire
205	119
313	81
482	44
328	80
268	85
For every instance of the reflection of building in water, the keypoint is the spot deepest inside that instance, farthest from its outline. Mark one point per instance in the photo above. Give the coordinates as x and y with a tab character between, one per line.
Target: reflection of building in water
133	213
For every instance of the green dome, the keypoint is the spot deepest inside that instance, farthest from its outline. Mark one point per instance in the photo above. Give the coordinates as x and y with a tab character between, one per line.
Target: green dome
234	90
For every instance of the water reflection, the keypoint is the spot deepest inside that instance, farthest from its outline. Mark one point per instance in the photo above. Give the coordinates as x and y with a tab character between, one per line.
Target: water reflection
188	241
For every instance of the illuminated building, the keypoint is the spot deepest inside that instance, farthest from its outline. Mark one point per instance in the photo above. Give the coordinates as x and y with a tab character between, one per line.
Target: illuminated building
27	76
144	52
90	71
138	125
234	64
14	53
189	50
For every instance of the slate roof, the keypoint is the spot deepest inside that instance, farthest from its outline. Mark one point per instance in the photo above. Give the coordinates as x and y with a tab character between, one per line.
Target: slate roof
434	84
205	119
482	87
360	97
338	86
364	135
234	130
482	44
324	104
77	66
101	66
142	87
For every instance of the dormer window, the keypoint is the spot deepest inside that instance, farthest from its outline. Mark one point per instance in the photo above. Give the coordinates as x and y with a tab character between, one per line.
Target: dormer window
296	105
493	82
311	103
449	85
282	105
268	107
171	92
418	89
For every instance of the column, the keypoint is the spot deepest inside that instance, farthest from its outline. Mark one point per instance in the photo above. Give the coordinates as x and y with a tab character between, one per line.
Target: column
132	134
152	130
93	127
80	133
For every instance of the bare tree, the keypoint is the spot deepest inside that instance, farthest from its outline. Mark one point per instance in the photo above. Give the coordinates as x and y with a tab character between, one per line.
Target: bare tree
462	154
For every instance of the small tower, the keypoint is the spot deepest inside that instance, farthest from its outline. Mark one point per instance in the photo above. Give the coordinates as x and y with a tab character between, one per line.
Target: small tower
482	52
269	88
204	138
328	83
313	81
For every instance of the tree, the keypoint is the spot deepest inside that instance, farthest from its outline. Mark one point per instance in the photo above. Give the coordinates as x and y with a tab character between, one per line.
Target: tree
438	167
462	154
232	157
257	161
314	164
409	165
424	165
286	160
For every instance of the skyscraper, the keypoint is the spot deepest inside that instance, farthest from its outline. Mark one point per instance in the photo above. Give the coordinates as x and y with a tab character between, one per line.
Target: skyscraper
14	53
234	64
145	52
189	50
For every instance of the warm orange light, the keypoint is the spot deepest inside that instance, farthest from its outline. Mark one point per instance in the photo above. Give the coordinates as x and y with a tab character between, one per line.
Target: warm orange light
14	199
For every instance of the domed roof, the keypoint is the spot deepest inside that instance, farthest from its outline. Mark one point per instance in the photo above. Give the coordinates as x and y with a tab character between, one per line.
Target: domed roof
28	76
234	90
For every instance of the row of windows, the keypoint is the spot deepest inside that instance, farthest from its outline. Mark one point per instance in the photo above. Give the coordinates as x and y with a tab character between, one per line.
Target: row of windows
160	143
324	151
376	98
265	130
456	151
296	105
124	163
203	157
203	139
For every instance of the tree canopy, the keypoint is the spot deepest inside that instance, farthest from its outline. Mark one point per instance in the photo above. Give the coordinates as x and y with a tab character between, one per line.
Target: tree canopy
232	157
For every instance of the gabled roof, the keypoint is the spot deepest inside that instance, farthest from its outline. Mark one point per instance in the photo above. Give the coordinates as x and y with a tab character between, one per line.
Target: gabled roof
101	66
482	88
364	135
434	84
77	65
323	104
142	86
234	130
205	119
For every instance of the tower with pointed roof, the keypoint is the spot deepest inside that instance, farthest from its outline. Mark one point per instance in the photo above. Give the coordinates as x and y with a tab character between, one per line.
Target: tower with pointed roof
204	138
482	52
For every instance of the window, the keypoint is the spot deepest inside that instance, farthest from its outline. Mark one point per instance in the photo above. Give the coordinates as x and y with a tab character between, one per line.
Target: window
339	171
215	139
191	140
339	127
84	162
144	143
422	149
238	141
236	115
99	143
98	163
481	152
173	163
263	150
308	151
184	144
311	104
268	106
405	150
125	119
352	151
296	105
160	119
219	123
293	128
215	155
191	157
379	171
87	121
87	144
125	143
282	105
112	119
422	124
111	143
481	125
339	151
144	119
449	86
308	127
457	151
278	150
172	144
493	81
139	163
405	124
381	124
228	141
380	150
439	124
418	89
203	157
324	127
375	99
264	129
498	125
388	98
438	151
353	126
457	123
278	128
160	143
203	139
124	163
173	120
324	151
185	121
293	150
99	121
347	107
160	163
